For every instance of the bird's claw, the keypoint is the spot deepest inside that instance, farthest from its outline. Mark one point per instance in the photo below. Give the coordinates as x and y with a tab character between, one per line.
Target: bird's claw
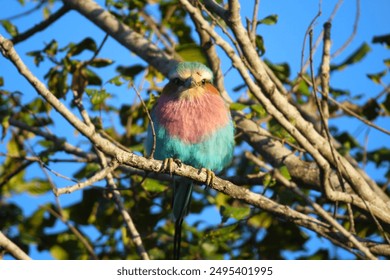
168	165
209	177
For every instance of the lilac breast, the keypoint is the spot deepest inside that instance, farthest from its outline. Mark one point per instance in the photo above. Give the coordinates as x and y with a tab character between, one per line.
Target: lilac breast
192	120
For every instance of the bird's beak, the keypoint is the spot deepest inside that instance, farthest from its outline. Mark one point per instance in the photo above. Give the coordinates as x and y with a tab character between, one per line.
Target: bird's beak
190	82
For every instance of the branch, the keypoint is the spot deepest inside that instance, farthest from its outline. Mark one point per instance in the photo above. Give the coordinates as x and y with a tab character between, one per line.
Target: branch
40	26
12	248
95	178
123	34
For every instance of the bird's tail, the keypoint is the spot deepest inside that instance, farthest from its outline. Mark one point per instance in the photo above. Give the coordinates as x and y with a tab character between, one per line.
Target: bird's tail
181	203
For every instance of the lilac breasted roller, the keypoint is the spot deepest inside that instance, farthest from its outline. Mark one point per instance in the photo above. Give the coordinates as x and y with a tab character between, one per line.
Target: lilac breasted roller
192	124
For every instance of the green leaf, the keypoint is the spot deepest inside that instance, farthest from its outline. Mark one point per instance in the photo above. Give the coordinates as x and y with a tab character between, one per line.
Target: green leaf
51	48
100	62
262	220
281	70
387	62
237	106
386	104
9	27
285	173
98	97
130	71
1	81
269	20
376	78
86	44
152	185
38	57
59	252
191	52
92	77
116	81
260	45
384	39
237	213
259	109
355	57
339	92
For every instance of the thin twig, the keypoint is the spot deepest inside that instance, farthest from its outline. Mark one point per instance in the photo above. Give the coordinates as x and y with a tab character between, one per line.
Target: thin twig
151	155
353	34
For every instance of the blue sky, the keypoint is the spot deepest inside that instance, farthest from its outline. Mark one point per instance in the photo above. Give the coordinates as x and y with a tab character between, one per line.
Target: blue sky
283	44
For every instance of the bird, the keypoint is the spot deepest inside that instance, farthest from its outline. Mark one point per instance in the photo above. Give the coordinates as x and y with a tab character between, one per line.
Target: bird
192	125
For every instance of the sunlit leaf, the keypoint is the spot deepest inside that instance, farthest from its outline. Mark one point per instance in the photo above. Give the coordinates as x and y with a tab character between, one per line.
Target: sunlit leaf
237	213
9	27
100	62
237	106
191	52
269	20
152	185
285	173
355	57
376	78
97	97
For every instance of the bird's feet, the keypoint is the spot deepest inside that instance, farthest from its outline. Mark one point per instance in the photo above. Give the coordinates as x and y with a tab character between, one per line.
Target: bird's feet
168	165
209	177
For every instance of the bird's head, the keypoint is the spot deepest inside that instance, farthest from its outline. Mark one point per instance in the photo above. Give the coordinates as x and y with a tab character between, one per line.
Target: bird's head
188	80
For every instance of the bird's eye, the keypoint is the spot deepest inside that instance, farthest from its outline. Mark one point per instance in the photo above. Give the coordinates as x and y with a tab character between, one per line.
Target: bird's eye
204	81
177	81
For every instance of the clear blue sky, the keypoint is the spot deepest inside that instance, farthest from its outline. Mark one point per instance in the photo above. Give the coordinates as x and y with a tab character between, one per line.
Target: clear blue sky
283	44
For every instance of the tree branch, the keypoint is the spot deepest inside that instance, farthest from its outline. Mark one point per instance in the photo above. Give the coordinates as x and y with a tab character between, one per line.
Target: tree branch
12	248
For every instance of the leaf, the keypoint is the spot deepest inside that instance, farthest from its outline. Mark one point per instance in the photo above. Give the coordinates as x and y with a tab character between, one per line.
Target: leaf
260	45
262	220
237	106
376	78
281	70
237	213
9	27
97	97
371	109
51	48
259	109
116	81
355	57
86	44
92	77
339	92
1	81
386	104
100	62
387	62
285	173
347	141
38	57
130	71
191	52
384	39
152	185
59	252
269	20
